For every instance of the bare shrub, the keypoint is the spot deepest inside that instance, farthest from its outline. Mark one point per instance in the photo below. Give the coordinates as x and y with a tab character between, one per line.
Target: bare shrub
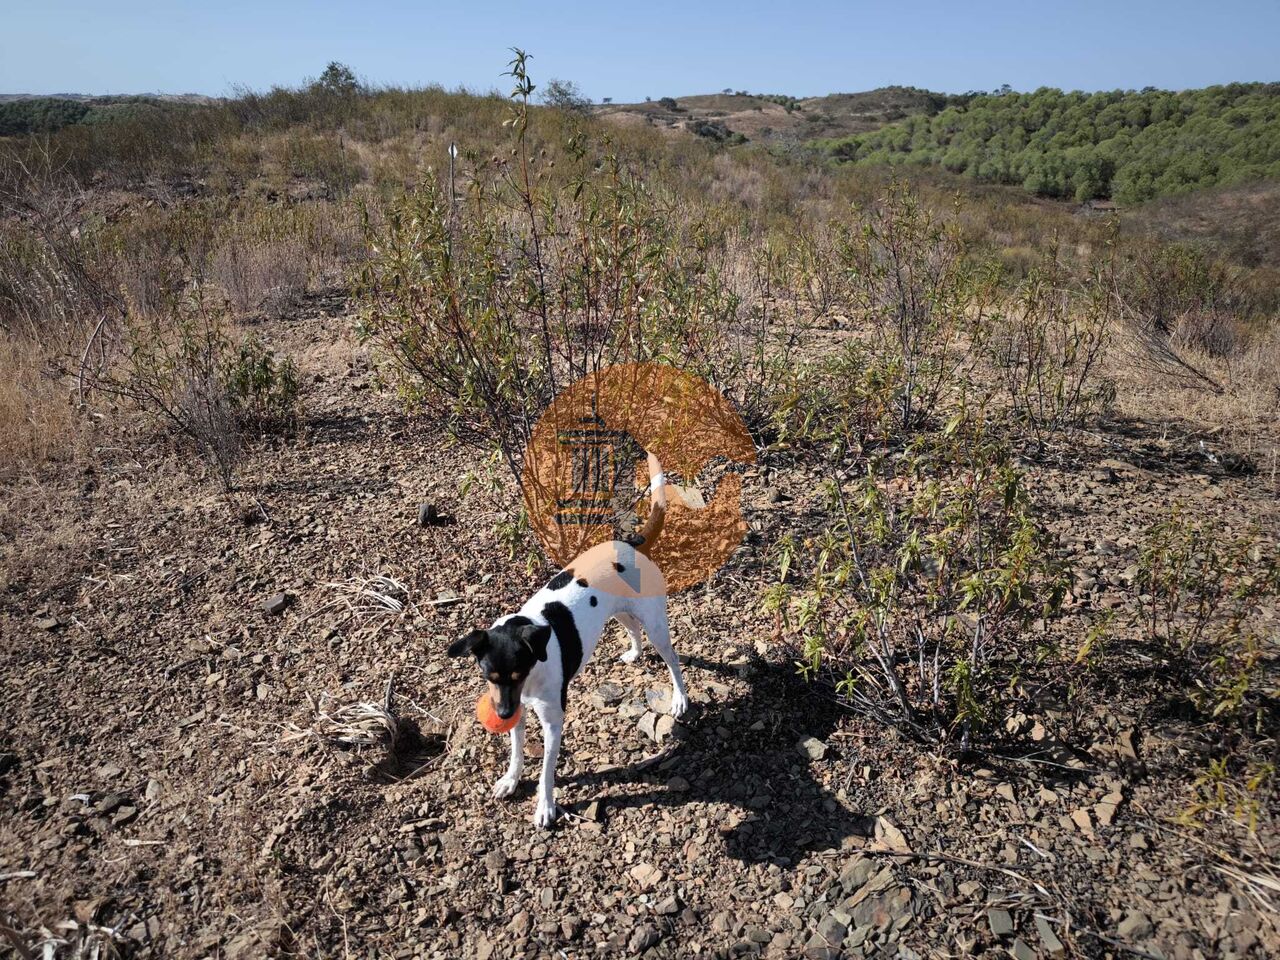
1047	346
904	270
487	308
260	274
185	370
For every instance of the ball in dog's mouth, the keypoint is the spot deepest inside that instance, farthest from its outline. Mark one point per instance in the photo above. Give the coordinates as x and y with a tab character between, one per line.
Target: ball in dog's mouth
489	718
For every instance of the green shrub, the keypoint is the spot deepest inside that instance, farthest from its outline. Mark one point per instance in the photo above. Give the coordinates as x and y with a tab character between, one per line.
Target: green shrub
262	387
913	601
488	307
1202	593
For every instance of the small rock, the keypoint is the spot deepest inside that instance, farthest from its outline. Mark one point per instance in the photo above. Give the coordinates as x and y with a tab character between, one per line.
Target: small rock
1048	938
644	938
659	701
678	784
646	875
520	924
812	747
1135	926
124	816
427	514
276	605
832	930
607	695
153	790
856	874
889	837
1021	951
1000	921
667	907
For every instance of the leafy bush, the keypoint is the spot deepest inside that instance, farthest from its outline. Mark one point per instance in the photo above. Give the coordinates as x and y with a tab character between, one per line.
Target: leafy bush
263	388
487	308
913	601
1202	594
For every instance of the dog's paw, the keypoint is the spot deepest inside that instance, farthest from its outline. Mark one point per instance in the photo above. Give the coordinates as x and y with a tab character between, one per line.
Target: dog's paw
630	656
679	703
544	815
505	787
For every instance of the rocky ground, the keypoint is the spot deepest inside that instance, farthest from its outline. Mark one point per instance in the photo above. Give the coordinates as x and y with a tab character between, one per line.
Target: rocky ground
167	790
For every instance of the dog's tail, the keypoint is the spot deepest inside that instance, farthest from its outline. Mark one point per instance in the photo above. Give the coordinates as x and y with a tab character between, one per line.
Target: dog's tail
657	508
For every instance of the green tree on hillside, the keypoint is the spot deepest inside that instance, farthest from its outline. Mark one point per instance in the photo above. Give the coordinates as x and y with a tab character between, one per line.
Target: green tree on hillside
1121	144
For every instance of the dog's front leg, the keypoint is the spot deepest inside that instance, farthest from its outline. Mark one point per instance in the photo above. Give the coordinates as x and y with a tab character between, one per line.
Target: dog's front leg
552	718
506	786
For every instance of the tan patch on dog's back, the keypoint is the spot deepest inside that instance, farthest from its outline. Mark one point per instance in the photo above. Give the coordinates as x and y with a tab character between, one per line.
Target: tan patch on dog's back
619	569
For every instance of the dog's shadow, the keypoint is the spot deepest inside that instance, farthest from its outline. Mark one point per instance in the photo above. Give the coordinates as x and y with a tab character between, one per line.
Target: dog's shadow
744	751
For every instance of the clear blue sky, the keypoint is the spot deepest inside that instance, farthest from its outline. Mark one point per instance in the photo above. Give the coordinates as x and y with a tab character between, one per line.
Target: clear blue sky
631	50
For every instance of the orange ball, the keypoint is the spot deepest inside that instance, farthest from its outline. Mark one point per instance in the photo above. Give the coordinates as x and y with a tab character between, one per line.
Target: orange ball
489	718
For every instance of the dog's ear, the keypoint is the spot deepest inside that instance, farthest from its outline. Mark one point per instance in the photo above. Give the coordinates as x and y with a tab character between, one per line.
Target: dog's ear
536	639
473	643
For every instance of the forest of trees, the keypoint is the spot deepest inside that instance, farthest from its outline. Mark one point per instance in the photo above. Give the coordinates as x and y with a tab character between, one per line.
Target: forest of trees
48	114
1131	146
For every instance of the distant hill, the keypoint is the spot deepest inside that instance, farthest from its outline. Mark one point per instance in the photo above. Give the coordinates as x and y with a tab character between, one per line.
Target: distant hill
778	117
25	113
1133	146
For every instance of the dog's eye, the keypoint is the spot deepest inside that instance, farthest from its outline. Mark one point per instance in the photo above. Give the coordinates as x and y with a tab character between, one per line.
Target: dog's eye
515	677
495	677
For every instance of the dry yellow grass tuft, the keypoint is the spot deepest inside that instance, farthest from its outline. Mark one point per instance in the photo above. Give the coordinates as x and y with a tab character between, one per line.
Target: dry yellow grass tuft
36	417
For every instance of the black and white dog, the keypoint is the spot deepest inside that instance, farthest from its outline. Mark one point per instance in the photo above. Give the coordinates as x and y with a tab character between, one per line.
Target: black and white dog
529	657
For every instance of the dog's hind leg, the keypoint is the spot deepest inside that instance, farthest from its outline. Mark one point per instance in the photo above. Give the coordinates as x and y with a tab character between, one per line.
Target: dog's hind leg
632	626
552	719
659	630
506	786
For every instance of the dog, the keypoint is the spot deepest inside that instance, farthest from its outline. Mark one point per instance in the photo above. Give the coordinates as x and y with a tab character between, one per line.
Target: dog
530	657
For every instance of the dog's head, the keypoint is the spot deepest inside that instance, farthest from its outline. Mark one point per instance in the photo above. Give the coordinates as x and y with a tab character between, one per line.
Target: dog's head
506	653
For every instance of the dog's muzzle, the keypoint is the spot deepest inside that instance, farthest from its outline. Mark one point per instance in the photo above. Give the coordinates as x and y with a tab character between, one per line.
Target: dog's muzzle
506	699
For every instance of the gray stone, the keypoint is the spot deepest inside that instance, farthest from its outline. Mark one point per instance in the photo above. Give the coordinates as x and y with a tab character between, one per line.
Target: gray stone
856	874
1048	938
276	605
644	938
832	930
1135	926
1001	922
812	747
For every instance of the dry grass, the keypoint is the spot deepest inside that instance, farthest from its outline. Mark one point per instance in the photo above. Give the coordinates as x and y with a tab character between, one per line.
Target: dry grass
1242	418
36	416
359	724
